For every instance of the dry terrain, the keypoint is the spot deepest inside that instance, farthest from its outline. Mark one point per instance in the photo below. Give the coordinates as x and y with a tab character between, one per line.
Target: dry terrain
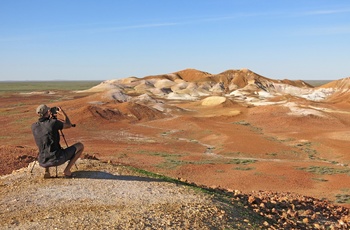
234	131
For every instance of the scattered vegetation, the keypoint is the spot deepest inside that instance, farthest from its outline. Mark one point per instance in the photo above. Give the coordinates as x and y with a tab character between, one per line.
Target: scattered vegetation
342	198
164	154
232	153
271	138
171	160
323	170
244	168
241	161
253	128
303	144
203	162
307	148
170	163
311	153
320	179
122	155
242	123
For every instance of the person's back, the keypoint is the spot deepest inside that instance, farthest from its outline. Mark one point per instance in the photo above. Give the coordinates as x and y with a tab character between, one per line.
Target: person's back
47	138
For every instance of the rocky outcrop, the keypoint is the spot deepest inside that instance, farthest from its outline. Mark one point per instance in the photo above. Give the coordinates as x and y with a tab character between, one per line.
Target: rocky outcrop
293	211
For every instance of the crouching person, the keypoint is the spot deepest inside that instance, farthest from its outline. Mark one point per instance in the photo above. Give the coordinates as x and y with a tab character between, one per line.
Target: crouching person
47	138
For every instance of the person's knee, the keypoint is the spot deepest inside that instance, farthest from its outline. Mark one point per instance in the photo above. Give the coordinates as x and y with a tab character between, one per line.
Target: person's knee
79	146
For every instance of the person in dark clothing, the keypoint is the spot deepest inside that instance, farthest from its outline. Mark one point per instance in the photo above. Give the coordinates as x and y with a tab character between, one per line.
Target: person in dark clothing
47	138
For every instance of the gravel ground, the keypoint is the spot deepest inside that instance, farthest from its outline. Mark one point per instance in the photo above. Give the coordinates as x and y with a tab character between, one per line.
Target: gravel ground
106	196
103	196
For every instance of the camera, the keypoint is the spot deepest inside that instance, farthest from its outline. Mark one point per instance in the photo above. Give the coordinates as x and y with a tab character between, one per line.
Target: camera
54	110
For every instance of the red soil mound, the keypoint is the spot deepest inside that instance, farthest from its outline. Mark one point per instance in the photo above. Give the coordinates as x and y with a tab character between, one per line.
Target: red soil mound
341	96
15	157
192	75
341	84
125	111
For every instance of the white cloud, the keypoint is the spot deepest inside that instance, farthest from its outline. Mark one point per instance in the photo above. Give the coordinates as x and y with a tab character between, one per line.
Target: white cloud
324	12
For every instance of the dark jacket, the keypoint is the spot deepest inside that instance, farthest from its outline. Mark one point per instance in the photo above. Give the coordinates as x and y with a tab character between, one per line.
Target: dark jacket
47	138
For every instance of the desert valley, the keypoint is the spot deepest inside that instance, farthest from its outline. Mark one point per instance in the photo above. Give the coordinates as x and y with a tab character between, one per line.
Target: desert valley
236	130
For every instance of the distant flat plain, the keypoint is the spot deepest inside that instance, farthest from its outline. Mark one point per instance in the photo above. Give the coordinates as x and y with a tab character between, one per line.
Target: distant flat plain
28	86
317	83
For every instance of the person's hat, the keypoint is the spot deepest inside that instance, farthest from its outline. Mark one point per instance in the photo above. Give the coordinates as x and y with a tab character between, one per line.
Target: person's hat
42	110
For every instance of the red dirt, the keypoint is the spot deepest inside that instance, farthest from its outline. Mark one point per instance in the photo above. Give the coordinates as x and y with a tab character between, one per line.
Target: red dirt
201	145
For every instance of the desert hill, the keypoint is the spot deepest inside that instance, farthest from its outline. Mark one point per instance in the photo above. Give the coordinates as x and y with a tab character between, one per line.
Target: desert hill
341	84
131	97
339	90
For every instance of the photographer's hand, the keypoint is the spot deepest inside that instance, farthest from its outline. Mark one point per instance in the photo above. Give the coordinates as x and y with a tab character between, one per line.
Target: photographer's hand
66	122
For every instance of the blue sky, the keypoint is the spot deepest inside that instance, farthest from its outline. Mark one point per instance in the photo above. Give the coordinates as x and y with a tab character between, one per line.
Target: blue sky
111	39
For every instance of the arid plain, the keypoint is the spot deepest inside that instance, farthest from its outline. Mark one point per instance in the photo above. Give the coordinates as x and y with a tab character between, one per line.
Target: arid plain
235	130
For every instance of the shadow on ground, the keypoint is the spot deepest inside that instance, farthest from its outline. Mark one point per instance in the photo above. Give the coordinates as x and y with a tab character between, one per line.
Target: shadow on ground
109	176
